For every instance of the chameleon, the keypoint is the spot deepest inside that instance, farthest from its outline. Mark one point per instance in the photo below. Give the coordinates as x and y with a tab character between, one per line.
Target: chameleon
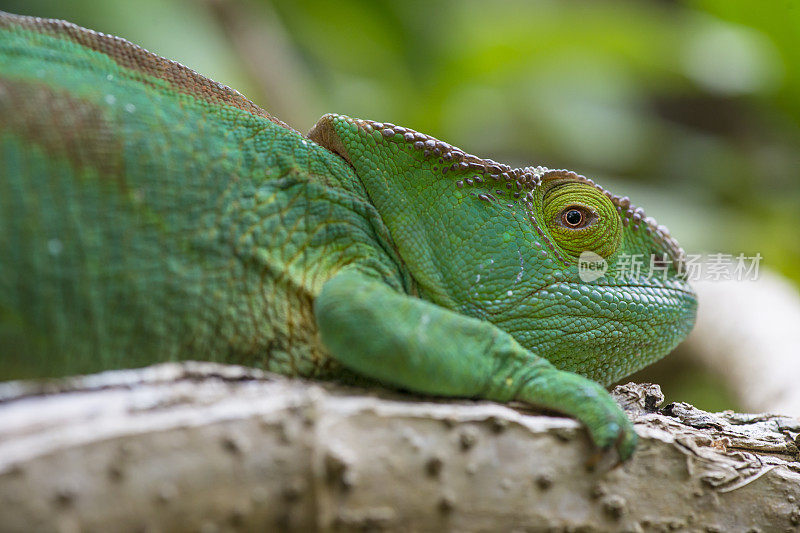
150	214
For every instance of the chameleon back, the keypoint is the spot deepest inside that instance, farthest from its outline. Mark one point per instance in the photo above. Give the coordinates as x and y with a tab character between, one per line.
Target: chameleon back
150	214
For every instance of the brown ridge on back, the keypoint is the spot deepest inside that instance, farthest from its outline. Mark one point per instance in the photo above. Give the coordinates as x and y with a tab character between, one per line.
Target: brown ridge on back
129	55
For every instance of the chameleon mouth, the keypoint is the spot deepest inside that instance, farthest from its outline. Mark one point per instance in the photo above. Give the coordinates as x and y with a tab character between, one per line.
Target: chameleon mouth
670	298
624	308
686	289
630	327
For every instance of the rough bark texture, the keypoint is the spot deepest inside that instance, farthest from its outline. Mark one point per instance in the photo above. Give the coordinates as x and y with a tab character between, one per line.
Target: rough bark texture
206	447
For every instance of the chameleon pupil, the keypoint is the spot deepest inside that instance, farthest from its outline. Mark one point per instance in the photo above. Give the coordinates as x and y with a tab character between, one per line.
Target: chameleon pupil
573	217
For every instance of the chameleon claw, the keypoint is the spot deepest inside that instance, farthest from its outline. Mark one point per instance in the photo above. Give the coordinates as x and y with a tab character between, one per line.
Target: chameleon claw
622	447
622	455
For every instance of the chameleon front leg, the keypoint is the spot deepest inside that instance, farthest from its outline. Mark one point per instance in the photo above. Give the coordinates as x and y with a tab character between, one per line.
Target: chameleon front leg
414	344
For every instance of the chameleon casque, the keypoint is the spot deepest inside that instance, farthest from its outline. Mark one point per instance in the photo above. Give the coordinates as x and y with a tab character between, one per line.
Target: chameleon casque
150	214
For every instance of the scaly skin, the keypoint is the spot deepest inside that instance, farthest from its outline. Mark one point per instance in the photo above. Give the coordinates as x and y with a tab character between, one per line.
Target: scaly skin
149	214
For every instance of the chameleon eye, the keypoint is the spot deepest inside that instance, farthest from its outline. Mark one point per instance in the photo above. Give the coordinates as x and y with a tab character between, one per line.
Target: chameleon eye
578	216
574	217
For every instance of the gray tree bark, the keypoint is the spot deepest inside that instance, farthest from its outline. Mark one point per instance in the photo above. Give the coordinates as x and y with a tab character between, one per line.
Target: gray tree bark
196	446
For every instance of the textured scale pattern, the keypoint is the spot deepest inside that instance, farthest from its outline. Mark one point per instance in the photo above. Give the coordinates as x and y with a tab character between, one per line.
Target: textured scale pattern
149	214
530	287
132	210
513	184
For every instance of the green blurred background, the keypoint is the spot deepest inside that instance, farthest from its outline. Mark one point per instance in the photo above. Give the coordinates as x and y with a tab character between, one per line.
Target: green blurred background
690	108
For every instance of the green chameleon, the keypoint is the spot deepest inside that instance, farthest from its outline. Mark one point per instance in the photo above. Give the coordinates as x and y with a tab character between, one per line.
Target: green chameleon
150	214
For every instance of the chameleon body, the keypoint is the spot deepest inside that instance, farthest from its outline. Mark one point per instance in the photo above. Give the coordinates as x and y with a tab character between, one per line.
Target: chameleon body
150	214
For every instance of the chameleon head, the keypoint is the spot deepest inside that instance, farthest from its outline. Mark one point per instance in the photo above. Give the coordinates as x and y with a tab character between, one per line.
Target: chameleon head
616	297
577	275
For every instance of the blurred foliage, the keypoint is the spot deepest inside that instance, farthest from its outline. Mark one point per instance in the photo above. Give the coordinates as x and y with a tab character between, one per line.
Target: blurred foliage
691	108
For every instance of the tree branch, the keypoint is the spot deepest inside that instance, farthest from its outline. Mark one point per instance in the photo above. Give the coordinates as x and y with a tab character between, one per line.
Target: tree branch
198	446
